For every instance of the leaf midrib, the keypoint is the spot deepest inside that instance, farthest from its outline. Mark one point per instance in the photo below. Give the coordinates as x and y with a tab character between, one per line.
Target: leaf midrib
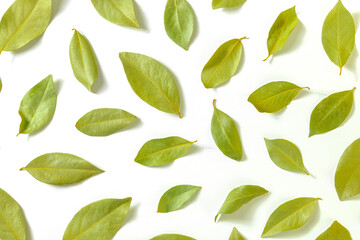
63	169
281	31
122	11
99	122
223	128
177	196
280	93
252	196
164	149
287	156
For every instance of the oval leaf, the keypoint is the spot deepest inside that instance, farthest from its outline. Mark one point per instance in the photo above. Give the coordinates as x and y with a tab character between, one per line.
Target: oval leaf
157	152
331	112
176	197
172	237
104	121
179	22
12	221
24	21
235	235
38	106
335	232
338	35
223	64
83	61
289	216
227	3
61	169
152	82
99	220
238	197
274	96
285	155
226	135
280	30
120	12
347	176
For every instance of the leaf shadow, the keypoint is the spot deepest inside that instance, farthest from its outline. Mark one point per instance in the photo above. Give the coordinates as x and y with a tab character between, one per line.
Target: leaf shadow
233	10
29	234
32	44
351	63
194	149
58	6
244	156
140	16
132	214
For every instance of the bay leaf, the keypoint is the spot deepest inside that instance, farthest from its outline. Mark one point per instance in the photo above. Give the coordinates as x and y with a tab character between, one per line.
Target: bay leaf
83	61
176	197
331	112
120	12
274	96
152	82
99	220
280	30
179	22
61	169
12	221
347	176
338	35
38	106
335	232
238	197
223	64
285	155
104	121
24	21
235	235
172	237
226	134
290	215
157	152
216	4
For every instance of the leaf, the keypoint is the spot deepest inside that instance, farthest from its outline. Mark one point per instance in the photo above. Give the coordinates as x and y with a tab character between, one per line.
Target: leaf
235	235
120	12
223	64
289	216
104	121
24	21
0	85
38	106
157	152
338	35
216	4
61	169
99	220
280	30
83	61
331	112
225	134
285	155
347	176
274	96
12	221
172	237
176	197
335	232
238	197
152	82
179	22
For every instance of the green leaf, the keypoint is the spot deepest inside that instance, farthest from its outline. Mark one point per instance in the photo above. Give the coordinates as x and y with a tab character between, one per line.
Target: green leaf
120	12
280	30
104	121
99	220
227	3
157	152
152	82
179	22
235	235
223	64
172	237
289	216
226	135
83	61
38	106
176	197
61	169
0	85
24	21
331	112
338	35
238	197
335	232
12	221
274	96
347	176
285	155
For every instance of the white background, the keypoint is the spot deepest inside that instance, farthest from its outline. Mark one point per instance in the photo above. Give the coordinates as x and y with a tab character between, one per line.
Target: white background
302	61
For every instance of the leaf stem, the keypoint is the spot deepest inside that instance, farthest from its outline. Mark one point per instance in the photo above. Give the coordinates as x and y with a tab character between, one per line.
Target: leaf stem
23	168
266	58
242	38
18	134
214	101
306	172
340	70
179	114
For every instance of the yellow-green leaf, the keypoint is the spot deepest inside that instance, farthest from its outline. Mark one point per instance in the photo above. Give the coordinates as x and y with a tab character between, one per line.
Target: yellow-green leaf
227	3
223	64
338	35
172	237
235	235
280	30
335	232
331	112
